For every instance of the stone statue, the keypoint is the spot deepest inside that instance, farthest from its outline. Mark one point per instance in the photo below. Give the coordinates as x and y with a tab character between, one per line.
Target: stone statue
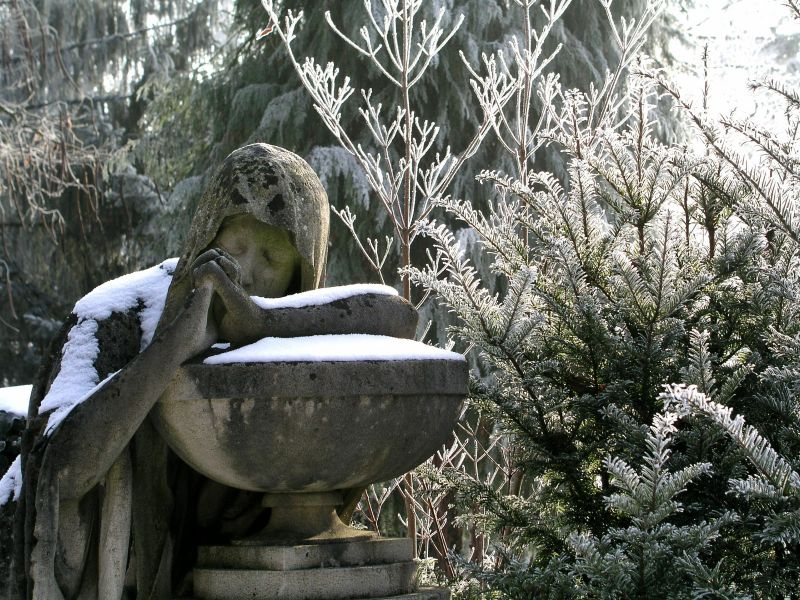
106	510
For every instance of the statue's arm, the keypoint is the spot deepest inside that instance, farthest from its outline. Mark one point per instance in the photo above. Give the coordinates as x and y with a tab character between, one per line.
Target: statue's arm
374	314
88	441
243	321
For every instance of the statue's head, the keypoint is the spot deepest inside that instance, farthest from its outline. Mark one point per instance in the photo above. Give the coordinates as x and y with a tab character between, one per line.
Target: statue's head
268	206
270	264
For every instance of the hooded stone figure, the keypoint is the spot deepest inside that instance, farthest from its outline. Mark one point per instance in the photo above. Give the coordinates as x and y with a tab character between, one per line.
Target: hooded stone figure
106	510
276	187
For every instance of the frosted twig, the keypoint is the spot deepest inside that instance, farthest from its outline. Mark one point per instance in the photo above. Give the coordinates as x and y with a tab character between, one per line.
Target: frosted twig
374	257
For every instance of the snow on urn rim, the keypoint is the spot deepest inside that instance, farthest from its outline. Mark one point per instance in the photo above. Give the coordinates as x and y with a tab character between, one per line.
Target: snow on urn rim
333	348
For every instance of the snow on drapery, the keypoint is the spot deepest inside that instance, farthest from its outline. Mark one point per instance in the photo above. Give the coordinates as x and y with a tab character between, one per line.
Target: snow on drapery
77	379
11	483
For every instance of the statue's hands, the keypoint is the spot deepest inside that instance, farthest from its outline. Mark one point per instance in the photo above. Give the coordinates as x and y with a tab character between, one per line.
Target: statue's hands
217	267
232	309
196	324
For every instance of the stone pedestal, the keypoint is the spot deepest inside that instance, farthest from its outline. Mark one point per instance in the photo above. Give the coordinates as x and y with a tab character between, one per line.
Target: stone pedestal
375	569
303	431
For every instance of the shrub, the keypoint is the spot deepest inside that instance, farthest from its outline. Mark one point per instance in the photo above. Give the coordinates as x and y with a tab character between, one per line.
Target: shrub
646	265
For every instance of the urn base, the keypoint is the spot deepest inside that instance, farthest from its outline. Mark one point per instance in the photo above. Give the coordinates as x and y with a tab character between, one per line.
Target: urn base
375	569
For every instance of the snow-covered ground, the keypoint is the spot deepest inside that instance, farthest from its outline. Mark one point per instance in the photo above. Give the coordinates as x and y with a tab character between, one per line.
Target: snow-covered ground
14	399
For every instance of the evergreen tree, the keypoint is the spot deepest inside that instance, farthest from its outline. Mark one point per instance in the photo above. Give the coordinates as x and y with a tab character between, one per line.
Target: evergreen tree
644	265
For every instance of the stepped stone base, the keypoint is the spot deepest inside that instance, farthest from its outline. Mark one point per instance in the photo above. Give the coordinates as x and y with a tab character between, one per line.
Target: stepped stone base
370	569
306	584
373	551
421	594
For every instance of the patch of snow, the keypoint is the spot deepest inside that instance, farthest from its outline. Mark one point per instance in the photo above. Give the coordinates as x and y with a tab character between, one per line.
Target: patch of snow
14	399
324	295
63	409
337	348
77	374
11	483
78	379
155	296
124	293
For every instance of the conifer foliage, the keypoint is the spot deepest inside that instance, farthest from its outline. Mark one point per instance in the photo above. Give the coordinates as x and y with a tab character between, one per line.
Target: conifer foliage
645	265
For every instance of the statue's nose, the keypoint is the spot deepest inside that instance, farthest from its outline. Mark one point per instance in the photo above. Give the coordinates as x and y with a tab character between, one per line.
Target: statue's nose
246	270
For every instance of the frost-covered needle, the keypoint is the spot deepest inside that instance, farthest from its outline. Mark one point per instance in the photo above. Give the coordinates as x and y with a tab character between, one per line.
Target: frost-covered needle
265	32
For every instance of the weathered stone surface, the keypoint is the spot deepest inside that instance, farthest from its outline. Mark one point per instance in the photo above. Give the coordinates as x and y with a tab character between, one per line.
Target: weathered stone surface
289	558
310	426
422	594
377	569
196	380
306	584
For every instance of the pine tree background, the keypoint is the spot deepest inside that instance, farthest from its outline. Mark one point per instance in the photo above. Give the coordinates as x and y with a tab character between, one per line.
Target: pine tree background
648	265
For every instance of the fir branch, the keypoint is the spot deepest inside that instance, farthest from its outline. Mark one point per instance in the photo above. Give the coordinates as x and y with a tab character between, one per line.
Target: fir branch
774	468
782	528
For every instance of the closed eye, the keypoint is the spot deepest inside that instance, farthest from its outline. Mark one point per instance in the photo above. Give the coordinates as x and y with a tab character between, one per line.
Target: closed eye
233	250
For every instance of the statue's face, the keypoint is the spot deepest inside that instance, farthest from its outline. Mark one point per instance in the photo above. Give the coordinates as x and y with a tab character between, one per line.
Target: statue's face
266	255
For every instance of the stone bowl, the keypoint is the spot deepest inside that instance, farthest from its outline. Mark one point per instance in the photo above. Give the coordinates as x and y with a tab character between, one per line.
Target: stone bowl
309	427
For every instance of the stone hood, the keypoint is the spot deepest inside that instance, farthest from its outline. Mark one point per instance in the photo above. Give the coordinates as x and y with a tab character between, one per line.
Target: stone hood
275	186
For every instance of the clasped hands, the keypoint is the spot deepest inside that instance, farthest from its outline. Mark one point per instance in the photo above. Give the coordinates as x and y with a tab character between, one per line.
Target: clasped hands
219	308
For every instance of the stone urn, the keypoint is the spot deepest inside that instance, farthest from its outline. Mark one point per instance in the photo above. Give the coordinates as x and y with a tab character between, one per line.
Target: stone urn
304	432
